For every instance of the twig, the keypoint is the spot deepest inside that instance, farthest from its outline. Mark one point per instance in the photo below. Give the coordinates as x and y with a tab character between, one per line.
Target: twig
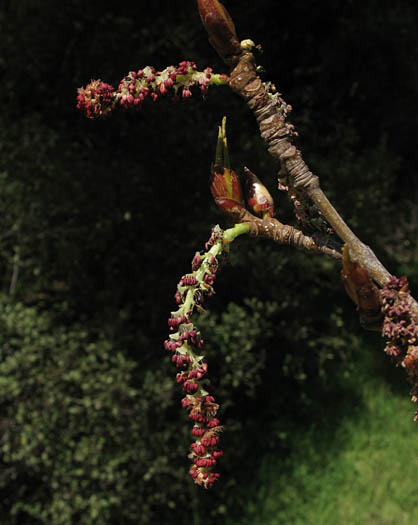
281	233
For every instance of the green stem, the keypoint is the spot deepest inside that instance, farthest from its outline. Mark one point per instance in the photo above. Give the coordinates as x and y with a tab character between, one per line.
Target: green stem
219	154
188	303
218	79
238	229
226	163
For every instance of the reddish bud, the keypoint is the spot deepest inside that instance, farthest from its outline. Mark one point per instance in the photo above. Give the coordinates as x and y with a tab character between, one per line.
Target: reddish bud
358	284
186	93
185	402
362	291
207	399
209	442
197	416
204	462
189	387
225	184
258	196
96	99
213	423
198	431
181	377
196	262
220	28
199	450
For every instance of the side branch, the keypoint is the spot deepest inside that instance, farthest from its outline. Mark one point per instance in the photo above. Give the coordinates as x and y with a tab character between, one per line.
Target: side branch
283	234
99	99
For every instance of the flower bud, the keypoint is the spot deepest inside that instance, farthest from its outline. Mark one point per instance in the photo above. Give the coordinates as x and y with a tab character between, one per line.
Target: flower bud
198	449
220	28
96	99
258	196
198	431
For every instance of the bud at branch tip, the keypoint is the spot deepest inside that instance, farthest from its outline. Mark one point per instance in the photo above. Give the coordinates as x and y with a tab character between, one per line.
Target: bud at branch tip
225	184
220	28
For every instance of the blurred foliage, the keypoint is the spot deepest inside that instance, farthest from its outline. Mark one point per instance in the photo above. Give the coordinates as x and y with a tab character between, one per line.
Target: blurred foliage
80	441
101	218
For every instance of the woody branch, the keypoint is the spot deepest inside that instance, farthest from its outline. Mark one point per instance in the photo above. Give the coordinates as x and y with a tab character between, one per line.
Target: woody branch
270	111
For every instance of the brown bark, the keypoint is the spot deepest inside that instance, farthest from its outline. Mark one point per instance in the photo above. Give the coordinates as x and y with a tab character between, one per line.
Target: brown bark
271	111
283	233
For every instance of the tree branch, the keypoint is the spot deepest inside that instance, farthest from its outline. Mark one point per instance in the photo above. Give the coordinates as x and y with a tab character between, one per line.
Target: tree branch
270	111
280	233
400	309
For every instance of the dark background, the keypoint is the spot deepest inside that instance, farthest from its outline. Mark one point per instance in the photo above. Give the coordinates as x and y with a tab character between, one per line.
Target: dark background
99	220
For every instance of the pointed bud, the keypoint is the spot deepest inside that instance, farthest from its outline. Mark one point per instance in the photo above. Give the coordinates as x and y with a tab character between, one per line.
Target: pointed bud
258	196
225	184
220	28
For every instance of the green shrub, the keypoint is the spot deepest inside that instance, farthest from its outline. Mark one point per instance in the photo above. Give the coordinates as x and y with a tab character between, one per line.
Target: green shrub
82	431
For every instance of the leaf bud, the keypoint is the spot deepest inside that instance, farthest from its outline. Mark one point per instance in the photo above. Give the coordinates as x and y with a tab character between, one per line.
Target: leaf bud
225	184
220	28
